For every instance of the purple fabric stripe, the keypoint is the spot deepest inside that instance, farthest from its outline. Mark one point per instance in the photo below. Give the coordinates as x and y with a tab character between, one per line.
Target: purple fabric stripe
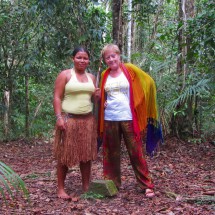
153	137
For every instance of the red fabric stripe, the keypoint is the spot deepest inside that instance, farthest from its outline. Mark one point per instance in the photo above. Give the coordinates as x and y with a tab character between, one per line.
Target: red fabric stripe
134	116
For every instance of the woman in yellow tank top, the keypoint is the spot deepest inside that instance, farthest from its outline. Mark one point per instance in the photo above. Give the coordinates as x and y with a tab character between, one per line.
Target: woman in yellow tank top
75	133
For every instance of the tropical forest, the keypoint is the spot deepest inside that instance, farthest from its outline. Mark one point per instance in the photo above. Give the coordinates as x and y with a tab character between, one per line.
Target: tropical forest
171	40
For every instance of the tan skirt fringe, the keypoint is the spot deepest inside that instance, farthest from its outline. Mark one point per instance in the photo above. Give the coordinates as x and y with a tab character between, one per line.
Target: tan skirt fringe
78	142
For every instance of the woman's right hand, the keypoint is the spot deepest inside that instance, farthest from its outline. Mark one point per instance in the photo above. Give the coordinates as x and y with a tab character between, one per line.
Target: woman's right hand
61	124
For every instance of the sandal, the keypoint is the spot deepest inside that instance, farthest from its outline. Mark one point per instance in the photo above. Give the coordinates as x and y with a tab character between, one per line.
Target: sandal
149	193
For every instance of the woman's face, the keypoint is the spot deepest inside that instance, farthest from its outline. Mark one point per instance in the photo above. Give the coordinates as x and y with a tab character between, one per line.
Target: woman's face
81	60
112	59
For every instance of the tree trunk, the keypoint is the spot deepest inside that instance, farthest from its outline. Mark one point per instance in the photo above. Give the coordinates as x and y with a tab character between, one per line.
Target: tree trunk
192	103
176	120
182	126
129	37
117	22
27	111
180	40
156	19
6	112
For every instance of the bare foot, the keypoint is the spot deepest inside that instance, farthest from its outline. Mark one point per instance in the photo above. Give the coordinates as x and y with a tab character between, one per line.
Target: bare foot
63	195
149	193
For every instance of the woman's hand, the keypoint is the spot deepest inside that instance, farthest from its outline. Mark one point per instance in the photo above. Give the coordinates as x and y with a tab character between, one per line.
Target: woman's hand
97	94
60	123
105	104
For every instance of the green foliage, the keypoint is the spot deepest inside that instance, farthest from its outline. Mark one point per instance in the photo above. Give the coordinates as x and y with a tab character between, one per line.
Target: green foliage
157	53
37	38
91	195
71	24
37	175
10	181
201	29
142	9
200	89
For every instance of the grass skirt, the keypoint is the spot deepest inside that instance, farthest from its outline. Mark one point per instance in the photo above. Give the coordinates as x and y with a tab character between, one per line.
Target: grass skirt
78	142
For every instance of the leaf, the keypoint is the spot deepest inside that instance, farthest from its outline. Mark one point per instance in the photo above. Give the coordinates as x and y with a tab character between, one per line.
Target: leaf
9	177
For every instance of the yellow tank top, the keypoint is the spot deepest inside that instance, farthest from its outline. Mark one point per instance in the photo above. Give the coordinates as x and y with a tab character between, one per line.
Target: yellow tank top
77	96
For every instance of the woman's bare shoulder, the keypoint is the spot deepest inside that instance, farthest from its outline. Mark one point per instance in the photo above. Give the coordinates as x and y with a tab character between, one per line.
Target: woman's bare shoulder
91	75
65	72
64	75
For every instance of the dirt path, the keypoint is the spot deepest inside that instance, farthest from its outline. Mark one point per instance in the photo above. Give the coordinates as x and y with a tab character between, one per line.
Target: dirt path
183	173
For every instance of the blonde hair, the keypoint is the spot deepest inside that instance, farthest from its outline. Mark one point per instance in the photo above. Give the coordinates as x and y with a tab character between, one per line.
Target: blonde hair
113	47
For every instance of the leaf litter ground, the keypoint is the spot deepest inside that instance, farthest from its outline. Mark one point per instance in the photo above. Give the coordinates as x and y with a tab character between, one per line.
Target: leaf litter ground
183	173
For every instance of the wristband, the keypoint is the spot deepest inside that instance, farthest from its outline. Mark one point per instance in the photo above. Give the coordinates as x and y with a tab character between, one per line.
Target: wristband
59	118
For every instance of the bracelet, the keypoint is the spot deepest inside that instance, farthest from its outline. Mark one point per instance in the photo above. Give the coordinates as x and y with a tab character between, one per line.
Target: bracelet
57	115
59	118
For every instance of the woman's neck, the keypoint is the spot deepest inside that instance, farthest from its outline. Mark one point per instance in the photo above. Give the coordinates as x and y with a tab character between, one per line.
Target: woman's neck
78	71
115	72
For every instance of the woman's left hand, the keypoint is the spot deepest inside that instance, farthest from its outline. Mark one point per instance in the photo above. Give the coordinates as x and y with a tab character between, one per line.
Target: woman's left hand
97	94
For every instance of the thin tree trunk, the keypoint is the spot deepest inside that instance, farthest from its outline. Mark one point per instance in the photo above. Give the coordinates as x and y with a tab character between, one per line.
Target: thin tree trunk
156	19
176	119
117	22
182	126
184	41
27	111
9	102
192	103
6	112
129	30
36	112
196	115
180	39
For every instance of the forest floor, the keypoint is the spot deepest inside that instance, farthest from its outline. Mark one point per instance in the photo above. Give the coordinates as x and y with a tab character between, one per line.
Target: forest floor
183	173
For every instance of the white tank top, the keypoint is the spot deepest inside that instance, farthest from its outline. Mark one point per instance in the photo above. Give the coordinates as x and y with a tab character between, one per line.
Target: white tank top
118	99
77	96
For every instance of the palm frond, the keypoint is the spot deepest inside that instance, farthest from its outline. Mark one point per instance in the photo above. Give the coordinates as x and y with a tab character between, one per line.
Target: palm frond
191	91
10	180
2	193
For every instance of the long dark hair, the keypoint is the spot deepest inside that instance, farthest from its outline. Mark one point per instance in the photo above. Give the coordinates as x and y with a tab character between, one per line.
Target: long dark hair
80	49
